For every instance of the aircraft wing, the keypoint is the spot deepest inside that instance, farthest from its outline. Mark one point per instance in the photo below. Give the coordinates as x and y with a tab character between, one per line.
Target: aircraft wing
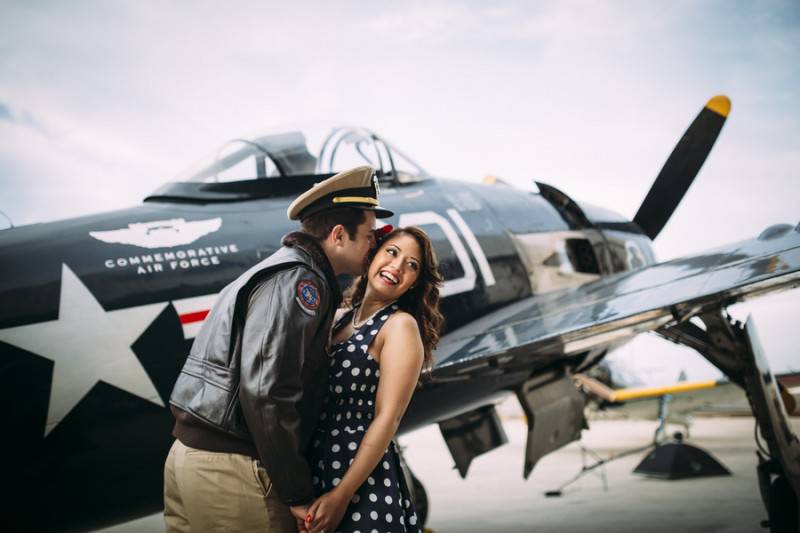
544	327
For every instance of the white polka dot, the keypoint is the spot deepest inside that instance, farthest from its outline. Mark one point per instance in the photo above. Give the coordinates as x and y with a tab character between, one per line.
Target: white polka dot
395	307
364	348
374	531
360	402
377	373
359	337
348	415
372	389
361	428
353	386
338	417
371	481
338	389
387	482
373	515
388	499
335	448
321	464
352	446
358	415
386	465
369	322
338	374
372	496
384	317
356	516
356	499
406	503
388	517
350	348
356	371
402	520
369	402
336	464
413	519
334	432
346	363
373	332
363	387
367	372
336	481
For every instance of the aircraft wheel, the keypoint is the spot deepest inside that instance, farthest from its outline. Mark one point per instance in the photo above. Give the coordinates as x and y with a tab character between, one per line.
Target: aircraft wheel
782	507
420	500
418	493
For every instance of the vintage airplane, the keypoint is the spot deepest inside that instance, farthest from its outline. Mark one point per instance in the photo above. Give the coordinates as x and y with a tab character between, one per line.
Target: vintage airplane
679	402
98	312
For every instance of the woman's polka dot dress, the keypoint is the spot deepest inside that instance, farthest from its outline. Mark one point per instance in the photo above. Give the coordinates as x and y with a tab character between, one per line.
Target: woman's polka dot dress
383	502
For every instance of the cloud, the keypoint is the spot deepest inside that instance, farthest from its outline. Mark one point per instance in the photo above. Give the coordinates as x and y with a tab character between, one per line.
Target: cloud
590	97
23	119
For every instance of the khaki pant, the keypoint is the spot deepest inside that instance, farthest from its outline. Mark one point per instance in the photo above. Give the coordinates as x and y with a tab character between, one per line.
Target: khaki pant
210	491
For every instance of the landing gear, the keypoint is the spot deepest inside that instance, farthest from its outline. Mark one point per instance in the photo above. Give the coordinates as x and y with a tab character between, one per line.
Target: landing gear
418	493
782	507
420	499
735	349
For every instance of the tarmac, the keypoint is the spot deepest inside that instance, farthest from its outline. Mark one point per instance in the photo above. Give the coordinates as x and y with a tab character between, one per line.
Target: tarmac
495	498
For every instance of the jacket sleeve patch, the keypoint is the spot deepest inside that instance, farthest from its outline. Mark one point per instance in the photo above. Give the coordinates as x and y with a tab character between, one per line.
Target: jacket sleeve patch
308	296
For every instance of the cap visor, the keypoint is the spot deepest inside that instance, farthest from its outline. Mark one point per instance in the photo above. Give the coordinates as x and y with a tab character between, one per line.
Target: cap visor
381	212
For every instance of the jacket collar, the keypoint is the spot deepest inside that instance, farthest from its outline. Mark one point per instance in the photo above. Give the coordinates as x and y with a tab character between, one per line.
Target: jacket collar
311	246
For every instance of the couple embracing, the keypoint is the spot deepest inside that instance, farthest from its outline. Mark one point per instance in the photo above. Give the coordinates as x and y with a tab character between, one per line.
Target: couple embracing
289	400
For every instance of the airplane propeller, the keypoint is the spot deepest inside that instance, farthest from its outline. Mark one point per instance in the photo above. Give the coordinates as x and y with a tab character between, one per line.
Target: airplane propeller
682	166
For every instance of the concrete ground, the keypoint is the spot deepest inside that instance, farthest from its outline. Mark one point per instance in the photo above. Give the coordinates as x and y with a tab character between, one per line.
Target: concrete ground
494	497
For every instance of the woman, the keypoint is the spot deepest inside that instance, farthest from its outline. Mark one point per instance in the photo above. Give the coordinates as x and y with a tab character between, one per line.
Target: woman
380	345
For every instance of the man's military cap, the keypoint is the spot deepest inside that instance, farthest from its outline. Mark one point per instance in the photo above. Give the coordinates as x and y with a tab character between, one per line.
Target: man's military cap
357	187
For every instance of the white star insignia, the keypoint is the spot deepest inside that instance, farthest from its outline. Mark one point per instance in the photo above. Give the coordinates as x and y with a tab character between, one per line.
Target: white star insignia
87	344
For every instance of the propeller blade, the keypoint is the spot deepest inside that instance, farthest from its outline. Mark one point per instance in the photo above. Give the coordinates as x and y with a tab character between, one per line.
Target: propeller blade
682	166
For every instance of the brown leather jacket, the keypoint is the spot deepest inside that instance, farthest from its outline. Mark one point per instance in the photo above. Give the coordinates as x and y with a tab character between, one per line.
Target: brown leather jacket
258	368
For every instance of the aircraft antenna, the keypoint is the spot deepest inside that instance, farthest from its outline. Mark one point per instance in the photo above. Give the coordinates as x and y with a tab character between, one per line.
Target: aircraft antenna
10	222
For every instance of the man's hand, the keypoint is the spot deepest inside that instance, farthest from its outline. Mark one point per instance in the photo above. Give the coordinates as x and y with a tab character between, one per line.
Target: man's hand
300	512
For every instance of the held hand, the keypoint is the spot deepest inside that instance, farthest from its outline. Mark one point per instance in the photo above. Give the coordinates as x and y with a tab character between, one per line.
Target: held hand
327	511
300	512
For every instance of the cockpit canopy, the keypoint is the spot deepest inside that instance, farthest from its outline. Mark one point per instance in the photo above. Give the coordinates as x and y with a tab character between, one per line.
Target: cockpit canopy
314	150
287	163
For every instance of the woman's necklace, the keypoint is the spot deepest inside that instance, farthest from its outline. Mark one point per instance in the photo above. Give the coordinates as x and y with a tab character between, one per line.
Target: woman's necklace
370	317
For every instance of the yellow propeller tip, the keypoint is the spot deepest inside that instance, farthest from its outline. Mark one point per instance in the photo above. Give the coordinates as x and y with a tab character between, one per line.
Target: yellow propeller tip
720	105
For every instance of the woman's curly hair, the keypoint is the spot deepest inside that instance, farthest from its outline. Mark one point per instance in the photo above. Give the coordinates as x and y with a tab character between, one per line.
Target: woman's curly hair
421	300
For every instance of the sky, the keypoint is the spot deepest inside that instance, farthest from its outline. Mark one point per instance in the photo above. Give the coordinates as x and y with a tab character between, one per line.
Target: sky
102	102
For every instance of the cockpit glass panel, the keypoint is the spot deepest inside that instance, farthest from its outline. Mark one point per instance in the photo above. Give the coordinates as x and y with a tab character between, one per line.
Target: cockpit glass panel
347	148
307	151
407	171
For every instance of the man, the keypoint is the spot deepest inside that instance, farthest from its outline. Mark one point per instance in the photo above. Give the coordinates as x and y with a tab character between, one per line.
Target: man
249	393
